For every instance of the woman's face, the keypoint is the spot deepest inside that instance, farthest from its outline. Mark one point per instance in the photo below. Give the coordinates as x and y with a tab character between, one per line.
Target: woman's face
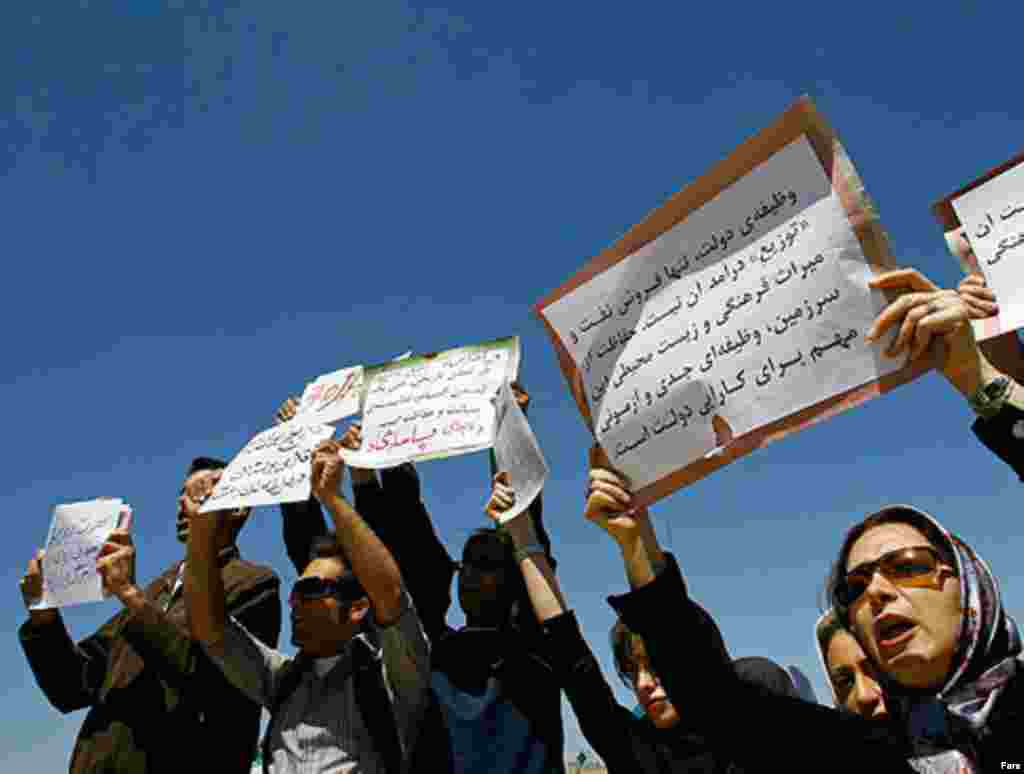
648	688
854	678
909	632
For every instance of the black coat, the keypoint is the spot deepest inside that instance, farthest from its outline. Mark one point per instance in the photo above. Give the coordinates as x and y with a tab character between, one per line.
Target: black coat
727	721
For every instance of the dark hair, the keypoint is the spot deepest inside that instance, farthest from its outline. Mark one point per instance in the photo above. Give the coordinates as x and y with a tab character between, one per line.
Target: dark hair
890	514
205	463
622	639
514	586
826	630
327	546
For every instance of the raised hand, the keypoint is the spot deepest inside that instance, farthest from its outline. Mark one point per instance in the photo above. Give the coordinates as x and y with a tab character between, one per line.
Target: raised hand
116	564
502	497
286	410
922	312
610	500
32	581
980	300
328	470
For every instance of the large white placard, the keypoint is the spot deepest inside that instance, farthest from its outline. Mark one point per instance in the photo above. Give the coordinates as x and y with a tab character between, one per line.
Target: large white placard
752	308
77	533
993	217
435	405
273	467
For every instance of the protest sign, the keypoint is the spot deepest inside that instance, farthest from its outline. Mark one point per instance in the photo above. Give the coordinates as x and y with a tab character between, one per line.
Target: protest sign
731	316
77	533
331	397
274	467
432	406
984	229
516	452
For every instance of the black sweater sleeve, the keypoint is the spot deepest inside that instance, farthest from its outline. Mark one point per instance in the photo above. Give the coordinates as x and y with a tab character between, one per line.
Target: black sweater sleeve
1003	434
401	520
302	523
604	722
758	727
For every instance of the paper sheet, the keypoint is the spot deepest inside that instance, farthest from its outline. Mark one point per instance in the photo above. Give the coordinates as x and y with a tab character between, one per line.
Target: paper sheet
751	309
331	397
77	533
433	406
517	452
992	215
274	467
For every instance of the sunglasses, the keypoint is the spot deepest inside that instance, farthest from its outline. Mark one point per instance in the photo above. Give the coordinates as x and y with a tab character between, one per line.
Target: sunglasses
906	567
345	590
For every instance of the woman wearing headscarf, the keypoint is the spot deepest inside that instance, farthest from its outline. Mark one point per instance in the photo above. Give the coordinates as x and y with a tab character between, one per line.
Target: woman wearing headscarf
852	675
924	606
928	612
702	712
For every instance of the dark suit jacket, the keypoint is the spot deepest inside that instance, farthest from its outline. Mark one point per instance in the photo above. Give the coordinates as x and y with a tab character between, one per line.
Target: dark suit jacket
157	703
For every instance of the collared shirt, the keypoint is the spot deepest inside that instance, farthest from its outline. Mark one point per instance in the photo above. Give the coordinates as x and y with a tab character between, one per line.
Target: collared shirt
319	727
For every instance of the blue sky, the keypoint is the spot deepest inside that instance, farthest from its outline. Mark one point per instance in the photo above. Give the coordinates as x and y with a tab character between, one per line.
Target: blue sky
205	206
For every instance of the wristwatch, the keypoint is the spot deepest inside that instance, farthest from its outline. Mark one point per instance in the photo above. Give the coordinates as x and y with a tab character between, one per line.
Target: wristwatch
989	398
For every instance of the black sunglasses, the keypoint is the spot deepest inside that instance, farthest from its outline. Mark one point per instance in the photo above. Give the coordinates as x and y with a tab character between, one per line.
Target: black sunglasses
346	590
908	567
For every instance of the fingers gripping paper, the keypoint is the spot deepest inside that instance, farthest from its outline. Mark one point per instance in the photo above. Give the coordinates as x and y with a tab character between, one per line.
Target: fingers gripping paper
274	467
77	533
516	452
987	211
734	314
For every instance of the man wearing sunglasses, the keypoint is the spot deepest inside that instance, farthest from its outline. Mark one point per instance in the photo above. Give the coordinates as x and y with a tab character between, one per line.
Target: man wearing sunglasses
353	697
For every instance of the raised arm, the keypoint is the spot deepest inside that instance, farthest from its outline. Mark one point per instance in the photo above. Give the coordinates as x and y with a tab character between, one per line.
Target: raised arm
69	674
689	657
923	314
371	561
395	511
602	720
301	523
532	557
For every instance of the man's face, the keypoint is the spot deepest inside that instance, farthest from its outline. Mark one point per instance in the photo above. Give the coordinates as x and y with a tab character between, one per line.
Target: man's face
648	689
321	627
482	581
909	632
854	677
182	521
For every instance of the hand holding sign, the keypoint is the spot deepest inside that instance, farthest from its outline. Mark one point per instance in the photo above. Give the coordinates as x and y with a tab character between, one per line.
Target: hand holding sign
116	565
328	471
287	410
980	300
503	497
609	500
924	312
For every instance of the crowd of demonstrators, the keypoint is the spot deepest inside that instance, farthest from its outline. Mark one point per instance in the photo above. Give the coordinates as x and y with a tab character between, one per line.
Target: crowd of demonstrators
493	705
921	655
156	702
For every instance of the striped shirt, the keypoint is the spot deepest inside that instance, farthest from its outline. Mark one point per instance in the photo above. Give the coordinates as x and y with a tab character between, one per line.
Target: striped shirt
319	728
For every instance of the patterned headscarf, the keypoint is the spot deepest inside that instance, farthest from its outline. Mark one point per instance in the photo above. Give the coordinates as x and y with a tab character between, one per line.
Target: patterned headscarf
946	729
